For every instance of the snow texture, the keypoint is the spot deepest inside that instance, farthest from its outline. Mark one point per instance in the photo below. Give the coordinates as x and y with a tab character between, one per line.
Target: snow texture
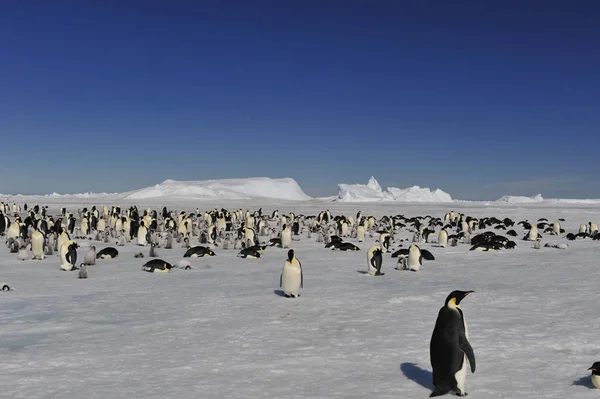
372	192
223	330
286	189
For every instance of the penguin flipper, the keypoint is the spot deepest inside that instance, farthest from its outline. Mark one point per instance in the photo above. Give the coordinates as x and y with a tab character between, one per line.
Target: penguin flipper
403	251
280	279
427	255
464	344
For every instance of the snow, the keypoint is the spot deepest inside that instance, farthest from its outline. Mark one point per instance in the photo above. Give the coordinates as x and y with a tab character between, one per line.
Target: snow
286	189
516	199
221	329
372	192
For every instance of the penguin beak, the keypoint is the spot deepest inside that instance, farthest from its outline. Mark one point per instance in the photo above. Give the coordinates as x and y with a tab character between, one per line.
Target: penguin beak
592	368
468	292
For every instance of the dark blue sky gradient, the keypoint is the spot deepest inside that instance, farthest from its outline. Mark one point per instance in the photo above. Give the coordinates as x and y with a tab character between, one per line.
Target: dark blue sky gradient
478	98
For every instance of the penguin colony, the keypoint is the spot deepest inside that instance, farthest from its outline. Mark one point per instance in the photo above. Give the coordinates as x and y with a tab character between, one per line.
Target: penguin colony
55	239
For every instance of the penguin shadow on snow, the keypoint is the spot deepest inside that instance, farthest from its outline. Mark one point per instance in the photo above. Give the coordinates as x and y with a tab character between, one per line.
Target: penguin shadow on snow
420	376
279	293
584	382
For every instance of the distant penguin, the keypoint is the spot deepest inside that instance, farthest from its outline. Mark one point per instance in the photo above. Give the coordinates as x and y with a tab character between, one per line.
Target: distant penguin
90	256
291	279
443	238
83	273
414	256
286	237
595	374
62	238
450	349
68	255
37	245
153	253
107	253
374	261
141	235
583	228
23	253
537	244
533	233
157	266
5	287
384	242
198	252
556	227
360	232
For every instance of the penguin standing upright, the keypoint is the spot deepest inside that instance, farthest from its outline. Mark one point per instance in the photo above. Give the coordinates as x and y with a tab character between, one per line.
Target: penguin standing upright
384	242
443	238
374	261
450	348
153	251
23	253
90	256
37	244
83	273
68	255
286	237
360	232
141	234
291	279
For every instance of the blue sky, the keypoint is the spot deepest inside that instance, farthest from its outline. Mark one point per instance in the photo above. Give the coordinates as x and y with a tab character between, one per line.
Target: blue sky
477	98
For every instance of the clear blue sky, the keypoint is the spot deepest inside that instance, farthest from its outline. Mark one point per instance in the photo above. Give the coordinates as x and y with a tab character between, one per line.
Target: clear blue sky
478	98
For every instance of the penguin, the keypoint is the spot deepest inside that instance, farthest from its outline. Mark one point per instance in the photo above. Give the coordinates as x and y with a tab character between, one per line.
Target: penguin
83	273
68	255
533	234
291	279
5	287
250	252
384	242
198	252
107	253
157	266
37	245
286	237
153	251
443	238
141	235
595	373
23	253
450	349
90	256
374	260
414	255
62	237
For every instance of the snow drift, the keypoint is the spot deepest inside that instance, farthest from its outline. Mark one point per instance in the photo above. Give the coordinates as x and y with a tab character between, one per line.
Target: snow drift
372	192
517	199
256	187
538	199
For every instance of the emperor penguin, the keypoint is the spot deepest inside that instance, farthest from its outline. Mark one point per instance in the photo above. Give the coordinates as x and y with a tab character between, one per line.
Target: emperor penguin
533	233
384	242
556	227
153	253
443	238
68	255
286	237
291	278
157	266
374	261
360	232
412	258
141	235
583	228
62	238
37	244
90	256
83	273
23	253
450	349
595	374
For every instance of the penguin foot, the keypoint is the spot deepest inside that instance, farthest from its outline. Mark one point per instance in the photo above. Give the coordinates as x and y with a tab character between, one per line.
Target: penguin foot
439	392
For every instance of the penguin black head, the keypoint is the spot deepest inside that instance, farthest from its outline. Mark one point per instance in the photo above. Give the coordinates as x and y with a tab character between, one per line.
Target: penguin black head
456	297
5	287
290	255
595	368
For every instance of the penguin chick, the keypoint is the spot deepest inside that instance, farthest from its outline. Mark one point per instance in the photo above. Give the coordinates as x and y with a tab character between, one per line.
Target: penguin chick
83	271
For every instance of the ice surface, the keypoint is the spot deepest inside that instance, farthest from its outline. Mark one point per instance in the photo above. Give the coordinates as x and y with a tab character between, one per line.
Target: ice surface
248	188
372	192
222	330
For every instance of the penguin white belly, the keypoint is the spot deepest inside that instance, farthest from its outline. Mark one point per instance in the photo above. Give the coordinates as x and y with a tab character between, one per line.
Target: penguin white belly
413	261
290	280
141	237
37	246
461	375
443	239
596	380
13	231
286	239
360	234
